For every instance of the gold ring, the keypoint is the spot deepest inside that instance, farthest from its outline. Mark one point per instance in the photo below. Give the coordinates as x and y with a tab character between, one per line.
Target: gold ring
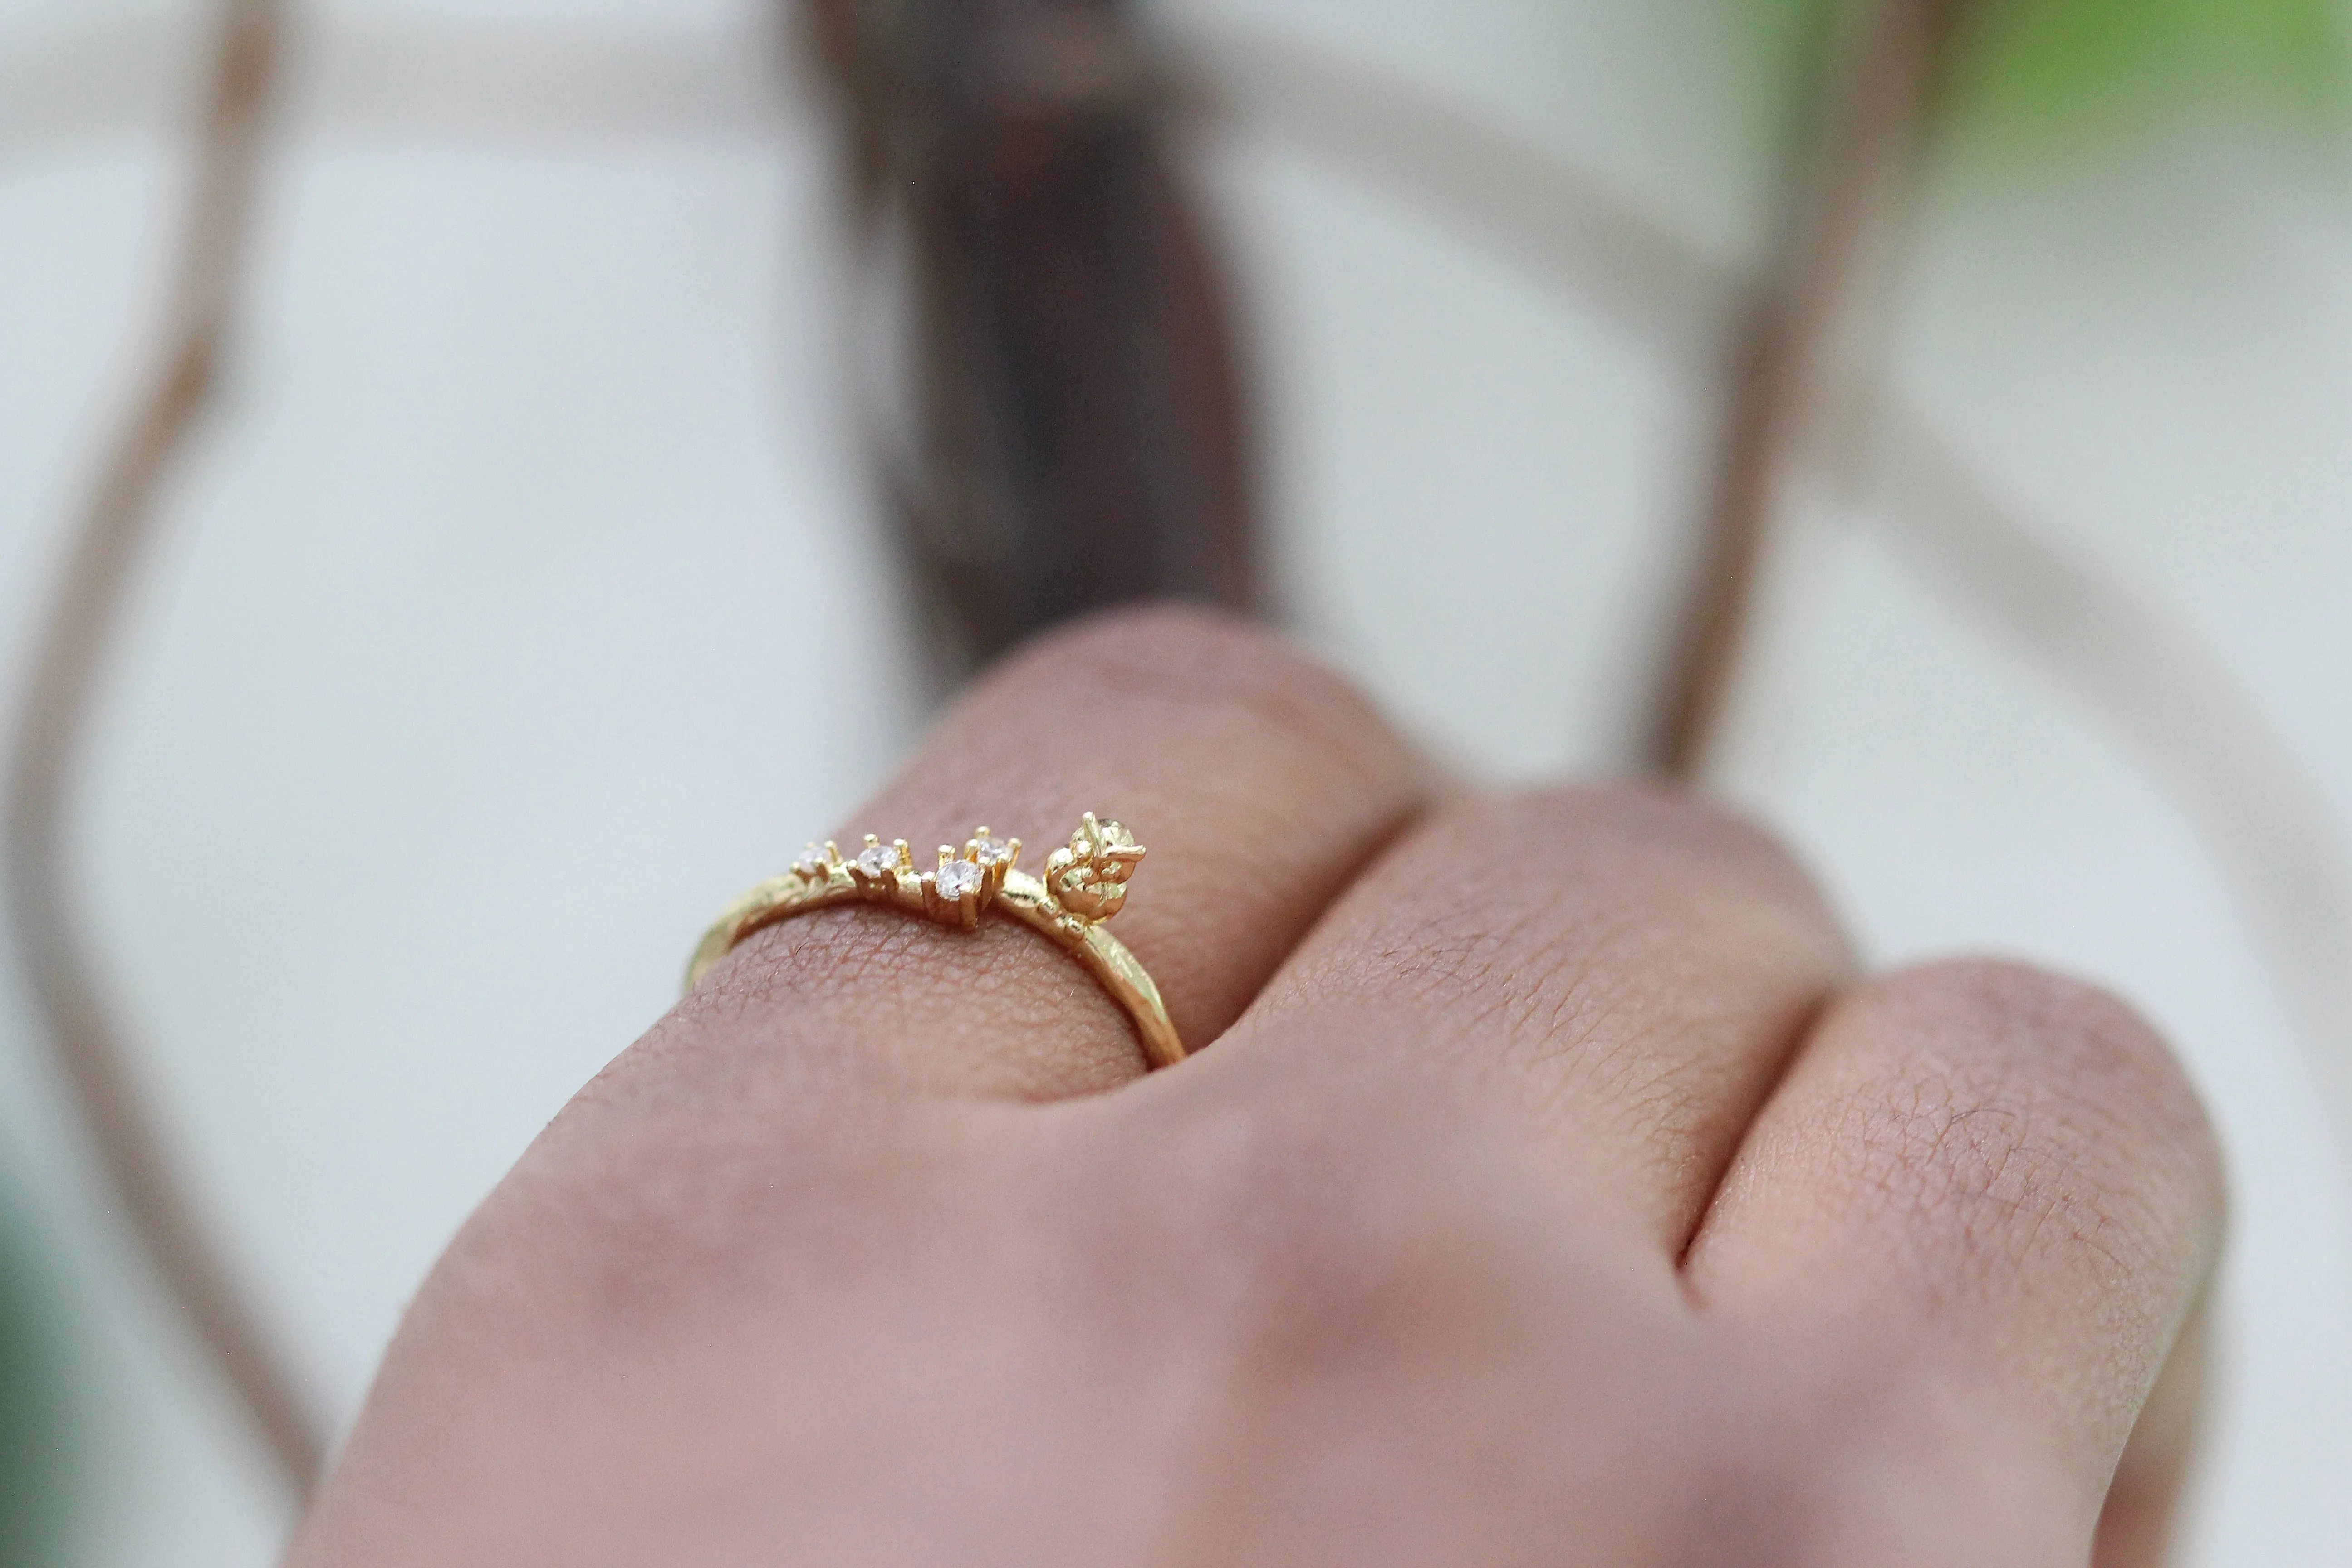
1083	886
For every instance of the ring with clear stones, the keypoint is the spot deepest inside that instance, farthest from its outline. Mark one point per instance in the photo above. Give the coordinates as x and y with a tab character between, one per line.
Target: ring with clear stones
1083	886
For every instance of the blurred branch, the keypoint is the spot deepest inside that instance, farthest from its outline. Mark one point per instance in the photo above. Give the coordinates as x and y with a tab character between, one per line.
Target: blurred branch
84	79
66	664
1076	406
1846	197
399	75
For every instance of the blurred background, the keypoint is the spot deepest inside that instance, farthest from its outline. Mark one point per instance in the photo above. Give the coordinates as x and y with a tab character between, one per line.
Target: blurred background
481	480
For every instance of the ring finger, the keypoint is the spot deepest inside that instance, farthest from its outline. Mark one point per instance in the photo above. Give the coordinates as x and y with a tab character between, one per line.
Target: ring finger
1258	783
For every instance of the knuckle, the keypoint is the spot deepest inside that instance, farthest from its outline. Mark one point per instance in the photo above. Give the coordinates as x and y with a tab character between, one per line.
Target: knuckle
1198	660
1625	907
2044	1109
1631	864
1672	828
2066	1042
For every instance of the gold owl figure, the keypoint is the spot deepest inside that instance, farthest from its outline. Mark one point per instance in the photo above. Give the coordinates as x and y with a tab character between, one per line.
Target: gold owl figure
1089	877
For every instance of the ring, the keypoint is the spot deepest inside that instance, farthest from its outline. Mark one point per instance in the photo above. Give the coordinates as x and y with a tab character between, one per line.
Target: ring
1083	886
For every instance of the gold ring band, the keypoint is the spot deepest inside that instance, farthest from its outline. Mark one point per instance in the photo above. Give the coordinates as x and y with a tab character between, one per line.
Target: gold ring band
1083	886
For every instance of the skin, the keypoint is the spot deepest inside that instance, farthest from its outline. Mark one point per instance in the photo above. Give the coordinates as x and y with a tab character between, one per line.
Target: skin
1548	1187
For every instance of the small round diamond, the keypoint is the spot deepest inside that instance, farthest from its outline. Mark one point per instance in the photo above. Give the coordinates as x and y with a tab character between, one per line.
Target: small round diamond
958	878
992	851
878	859
810	863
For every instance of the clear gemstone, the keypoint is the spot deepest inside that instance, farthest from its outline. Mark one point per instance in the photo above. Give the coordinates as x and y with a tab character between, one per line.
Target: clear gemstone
958	878
812	861
876	859
992	851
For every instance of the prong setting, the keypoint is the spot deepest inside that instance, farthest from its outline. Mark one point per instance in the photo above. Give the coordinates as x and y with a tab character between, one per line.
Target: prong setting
1084	882
1088	876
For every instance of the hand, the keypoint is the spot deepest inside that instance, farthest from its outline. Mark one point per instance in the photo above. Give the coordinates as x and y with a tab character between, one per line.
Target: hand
1547	1189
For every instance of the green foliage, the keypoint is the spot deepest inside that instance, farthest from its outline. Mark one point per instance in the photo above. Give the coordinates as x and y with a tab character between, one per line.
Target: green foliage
36	1451
2038	74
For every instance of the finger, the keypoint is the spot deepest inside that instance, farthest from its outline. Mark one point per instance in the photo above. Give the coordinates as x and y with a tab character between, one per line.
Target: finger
1992	1196
1257	782
2137	1520
1617	973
